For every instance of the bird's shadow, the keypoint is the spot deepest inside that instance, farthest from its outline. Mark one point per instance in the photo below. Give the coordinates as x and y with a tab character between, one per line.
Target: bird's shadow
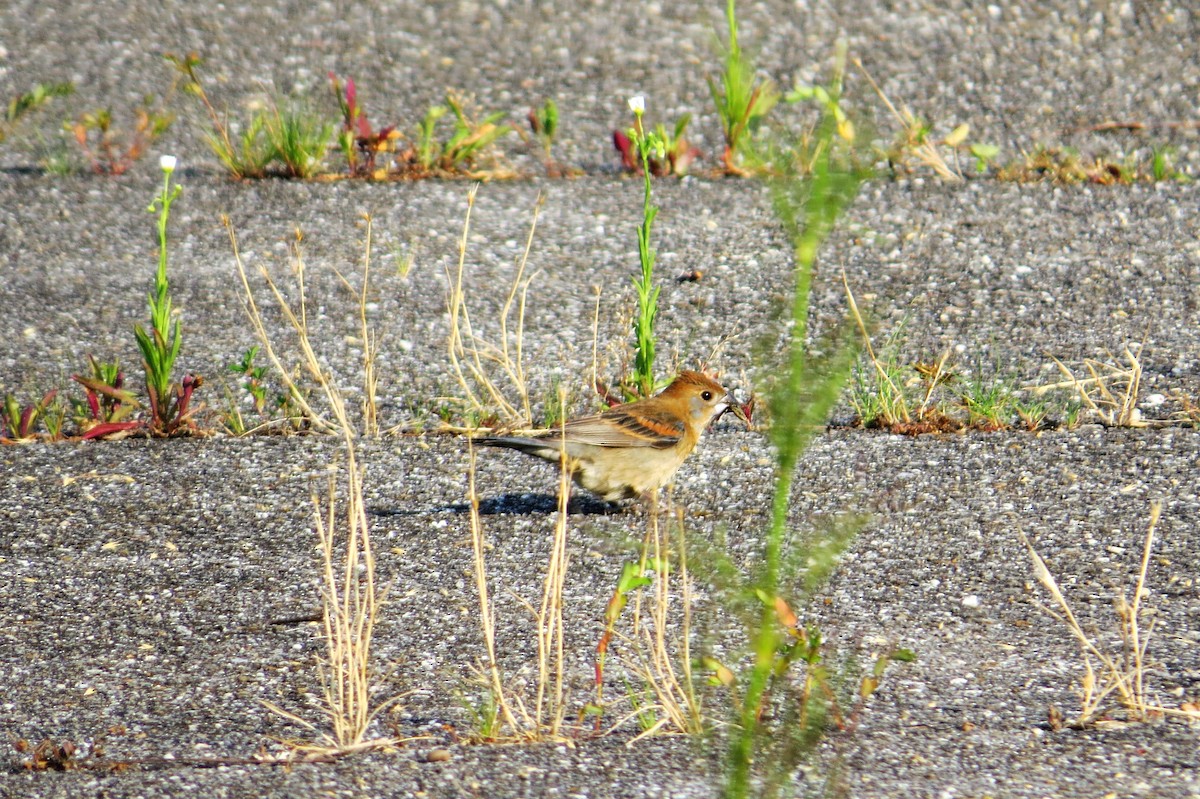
525	504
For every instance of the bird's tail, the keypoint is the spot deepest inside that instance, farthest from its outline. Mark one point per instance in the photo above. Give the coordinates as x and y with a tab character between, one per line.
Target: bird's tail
547	448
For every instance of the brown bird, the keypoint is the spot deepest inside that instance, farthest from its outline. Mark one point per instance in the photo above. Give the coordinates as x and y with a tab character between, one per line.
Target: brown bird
631	449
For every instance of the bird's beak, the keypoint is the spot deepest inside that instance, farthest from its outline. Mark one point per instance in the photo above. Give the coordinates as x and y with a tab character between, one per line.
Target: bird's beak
731	404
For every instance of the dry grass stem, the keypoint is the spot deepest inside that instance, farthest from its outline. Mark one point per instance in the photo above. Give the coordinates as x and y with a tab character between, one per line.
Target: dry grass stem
897	408
677	697
471	353
298	323
350	597
596	341
544	720
370	342
551	707
1105	675
661	659
916	142
1110	391
487	615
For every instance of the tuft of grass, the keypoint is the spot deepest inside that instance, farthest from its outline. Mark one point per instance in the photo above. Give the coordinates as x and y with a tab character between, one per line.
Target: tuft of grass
989	399
293	402
916	145
742	99
470	141
668	698
298	136
1066	165
351	598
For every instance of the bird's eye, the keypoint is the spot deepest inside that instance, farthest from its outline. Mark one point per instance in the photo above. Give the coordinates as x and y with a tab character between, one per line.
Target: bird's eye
706	396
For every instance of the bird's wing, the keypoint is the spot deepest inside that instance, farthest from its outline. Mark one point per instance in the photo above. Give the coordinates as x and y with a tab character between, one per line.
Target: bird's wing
624	427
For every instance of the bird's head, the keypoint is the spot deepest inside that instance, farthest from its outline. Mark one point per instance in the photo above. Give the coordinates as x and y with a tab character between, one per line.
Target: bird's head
704	398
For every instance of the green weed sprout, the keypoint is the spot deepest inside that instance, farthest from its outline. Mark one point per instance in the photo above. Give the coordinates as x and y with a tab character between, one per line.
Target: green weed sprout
469	140
160	347
743	100
18	423
647	293
544	124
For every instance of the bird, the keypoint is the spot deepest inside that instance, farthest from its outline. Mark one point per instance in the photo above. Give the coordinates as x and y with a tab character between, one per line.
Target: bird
630	450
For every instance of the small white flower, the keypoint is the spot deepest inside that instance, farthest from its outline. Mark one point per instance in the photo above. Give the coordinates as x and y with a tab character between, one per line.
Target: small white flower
167	162
637	104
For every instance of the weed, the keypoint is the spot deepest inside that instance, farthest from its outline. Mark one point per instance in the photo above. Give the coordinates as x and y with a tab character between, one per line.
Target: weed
801	393
915	142
350	604
25	104
542	717
1066	165
796	155
298	137
253	383
669	699
989	400
370	344
56	156
1033	413
252	153
556	403
985	155
1162	165
470	140
360	143
18	424
878	392
483	710
169	403
647	292
294	401
672	155
742	99
253	375
404	257
544	123
350	596
108	405
110	152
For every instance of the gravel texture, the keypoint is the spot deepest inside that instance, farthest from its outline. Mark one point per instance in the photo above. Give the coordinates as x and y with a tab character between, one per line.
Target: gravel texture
141	582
